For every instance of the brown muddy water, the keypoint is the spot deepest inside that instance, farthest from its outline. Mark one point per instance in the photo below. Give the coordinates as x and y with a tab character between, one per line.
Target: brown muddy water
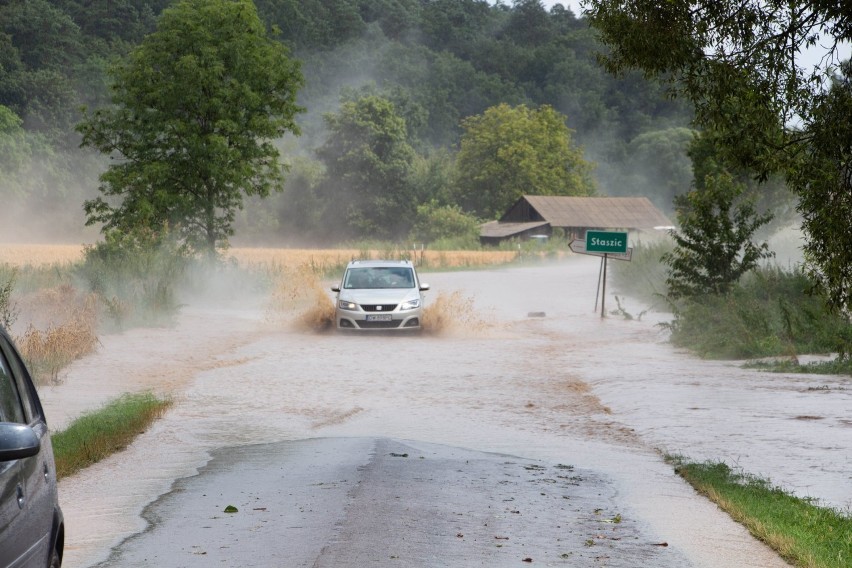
607	394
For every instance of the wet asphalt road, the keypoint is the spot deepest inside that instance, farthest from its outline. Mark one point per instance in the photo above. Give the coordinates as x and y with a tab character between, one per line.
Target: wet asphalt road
332	502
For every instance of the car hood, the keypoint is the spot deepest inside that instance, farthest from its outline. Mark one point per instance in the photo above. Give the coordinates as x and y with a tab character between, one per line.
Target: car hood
380	296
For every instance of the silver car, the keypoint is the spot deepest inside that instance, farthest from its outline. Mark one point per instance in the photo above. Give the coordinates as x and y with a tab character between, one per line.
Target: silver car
379	295
32	530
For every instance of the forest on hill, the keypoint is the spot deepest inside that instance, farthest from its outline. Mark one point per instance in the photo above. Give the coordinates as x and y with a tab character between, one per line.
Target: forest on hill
426	73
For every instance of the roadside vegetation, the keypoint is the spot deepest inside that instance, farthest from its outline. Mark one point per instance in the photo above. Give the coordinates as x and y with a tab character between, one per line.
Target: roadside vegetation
802	532
728	298
770	312
98	434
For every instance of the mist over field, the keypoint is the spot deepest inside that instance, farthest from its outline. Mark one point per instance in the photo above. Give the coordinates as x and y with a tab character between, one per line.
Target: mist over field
434	66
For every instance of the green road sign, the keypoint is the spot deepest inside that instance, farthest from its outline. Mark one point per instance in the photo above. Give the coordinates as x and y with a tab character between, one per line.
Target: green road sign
606	241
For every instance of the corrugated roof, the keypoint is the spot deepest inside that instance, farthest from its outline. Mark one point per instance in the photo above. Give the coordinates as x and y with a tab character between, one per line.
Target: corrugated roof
499	229
598	212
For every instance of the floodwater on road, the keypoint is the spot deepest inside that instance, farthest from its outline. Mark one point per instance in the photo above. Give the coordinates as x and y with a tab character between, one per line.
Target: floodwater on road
603	394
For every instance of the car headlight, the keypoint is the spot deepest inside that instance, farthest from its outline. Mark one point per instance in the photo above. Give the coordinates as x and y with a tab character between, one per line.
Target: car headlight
347	305
410	304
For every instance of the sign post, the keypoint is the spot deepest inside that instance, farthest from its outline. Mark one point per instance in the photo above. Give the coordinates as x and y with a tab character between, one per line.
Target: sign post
604	244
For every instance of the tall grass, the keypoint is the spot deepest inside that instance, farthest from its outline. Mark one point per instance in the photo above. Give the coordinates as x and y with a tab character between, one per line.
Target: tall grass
136	276
770	313
70	337
98	434
802	532
644	276
8	309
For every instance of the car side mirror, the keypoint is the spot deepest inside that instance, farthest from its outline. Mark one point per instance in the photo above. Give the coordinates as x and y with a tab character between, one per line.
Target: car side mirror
424	287
17	441
335	288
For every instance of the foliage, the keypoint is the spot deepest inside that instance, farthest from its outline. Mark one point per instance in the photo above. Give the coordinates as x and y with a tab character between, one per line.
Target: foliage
741	65
190	148
438	62
435	222
97	435
800	530
659	158
823	179
8	309
368	162
770	313
13	148
510	151
713	247
710	157
39	43
135	275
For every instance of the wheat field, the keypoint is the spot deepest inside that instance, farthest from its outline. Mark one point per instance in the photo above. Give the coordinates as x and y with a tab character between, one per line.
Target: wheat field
39	254
47	254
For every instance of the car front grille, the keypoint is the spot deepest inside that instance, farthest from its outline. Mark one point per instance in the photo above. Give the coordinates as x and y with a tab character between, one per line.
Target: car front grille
378	307
379	324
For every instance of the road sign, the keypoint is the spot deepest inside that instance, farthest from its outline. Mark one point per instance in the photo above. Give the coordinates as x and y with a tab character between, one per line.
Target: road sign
606	241
579	246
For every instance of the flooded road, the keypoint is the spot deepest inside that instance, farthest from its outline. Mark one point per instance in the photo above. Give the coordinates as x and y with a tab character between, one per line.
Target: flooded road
602	395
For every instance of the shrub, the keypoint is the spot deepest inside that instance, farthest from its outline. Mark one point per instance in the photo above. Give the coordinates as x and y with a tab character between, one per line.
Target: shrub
770	313
445	223
136	275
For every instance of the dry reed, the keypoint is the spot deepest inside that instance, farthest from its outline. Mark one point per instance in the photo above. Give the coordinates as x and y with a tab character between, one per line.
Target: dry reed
70	334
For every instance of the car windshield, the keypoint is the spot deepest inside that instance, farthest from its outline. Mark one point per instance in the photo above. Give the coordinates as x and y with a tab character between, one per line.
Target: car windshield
379	277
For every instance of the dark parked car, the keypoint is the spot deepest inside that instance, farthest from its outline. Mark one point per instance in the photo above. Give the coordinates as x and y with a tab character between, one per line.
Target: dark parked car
32	532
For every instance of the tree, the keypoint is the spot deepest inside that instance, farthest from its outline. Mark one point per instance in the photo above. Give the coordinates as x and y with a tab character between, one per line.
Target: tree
823	180
368	161
657	165
713	248
435	222
510	151
742	64
196	108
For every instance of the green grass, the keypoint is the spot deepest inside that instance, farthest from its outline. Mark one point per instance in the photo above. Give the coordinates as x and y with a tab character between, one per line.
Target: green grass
99	434
835	367
802	532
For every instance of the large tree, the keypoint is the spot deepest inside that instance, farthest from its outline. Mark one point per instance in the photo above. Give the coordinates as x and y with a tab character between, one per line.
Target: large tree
368	162
508	151
744	65
196	108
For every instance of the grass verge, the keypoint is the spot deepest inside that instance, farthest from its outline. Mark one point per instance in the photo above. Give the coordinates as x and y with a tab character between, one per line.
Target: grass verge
803	533
98	434
835	367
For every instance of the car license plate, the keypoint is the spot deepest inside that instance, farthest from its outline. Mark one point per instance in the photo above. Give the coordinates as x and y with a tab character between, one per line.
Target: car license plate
380	317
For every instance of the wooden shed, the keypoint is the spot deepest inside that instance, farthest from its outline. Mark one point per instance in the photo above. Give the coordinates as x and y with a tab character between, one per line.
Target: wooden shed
540	214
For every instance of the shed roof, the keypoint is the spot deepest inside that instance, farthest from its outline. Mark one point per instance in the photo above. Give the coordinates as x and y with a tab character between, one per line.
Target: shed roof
499	229
598	212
